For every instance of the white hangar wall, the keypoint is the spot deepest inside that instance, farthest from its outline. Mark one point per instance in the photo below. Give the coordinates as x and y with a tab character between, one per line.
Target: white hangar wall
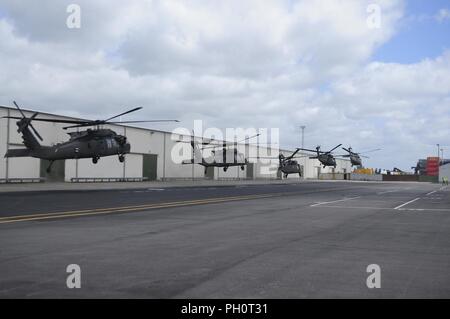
444	171
159	148
3	142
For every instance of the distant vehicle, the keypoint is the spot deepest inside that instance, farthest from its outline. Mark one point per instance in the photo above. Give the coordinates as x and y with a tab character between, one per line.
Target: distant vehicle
325	158
355	158
222	155
91	143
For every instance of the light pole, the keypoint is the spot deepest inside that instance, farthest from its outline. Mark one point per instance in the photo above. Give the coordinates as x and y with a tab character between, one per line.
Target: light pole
303	146
442	153
303	135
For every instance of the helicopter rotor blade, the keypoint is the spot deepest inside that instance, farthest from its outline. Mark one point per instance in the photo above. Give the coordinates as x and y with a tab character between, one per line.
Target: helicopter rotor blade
292	155
36	132
149	121
228	143
347	150
19	109
132	110
343	155
248	138
333	149
370	151
50	120
81	125
308	150
32	127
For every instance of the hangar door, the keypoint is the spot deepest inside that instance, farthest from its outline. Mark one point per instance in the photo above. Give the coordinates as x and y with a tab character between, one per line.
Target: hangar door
250	170
56	173
209	172
149	166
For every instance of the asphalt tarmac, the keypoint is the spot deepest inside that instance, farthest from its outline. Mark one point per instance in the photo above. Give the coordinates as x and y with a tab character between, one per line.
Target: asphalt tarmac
296	240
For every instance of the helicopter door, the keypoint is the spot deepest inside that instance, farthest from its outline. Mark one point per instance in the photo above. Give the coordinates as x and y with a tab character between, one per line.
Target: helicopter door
250	171
209	172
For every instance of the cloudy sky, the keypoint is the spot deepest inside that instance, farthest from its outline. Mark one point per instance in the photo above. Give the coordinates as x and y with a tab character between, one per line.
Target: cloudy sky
243	63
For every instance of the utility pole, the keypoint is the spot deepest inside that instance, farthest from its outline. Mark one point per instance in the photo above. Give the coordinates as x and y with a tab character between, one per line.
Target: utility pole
303	135
439	153
303	146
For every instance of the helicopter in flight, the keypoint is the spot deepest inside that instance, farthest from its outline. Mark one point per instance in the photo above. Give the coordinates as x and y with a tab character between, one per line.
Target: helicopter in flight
287	165
224	157
91	143
325	158
355	158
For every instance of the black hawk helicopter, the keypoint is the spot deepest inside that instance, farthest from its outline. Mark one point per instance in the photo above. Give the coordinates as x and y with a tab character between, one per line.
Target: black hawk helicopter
224	157
325	158
91	143
286	164
355	158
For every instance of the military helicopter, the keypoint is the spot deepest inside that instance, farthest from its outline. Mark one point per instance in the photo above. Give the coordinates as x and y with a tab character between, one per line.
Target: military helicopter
287	165
219	158
325	158
91	143
355	158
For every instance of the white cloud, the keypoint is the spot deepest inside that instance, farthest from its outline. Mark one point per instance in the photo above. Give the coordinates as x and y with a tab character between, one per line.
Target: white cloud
231	63
442	15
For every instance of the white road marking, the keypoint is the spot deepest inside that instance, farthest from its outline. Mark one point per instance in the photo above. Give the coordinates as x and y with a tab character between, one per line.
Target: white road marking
388	208
149	190
357	207
335	201
431	193
404	204
385	192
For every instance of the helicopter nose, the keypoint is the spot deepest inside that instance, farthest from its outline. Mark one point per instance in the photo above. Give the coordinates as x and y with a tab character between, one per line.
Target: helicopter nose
126	148
121	139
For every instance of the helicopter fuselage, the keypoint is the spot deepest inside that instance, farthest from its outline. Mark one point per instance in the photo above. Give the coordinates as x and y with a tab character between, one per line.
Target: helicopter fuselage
290	167
94	148
223	158
91	143
355	160
327	160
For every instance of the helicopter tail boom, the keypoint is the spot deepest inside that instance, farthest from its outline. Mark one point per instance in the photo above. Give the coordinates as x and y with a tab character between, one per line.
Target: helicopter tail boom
21	152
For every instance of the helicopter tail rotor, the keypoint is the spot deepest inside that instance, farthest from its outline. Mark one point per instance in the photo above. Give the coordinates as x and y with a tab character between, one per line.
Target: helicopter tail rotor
26	122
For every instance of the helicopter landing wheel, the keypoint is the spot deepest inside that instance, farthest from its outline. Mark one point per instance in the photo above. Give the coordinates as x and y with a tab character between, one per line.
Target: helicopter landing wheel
95	160
49	168
121	158
242	167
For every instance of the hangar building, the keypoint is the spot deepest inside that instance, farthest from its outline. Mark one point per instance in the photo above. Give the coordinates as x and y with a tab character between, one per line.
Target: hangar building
150	157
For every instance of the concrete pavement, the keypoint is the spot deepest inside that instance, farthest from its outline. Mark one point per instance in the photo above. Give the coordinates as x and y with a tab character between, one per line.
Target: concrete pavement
308	240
